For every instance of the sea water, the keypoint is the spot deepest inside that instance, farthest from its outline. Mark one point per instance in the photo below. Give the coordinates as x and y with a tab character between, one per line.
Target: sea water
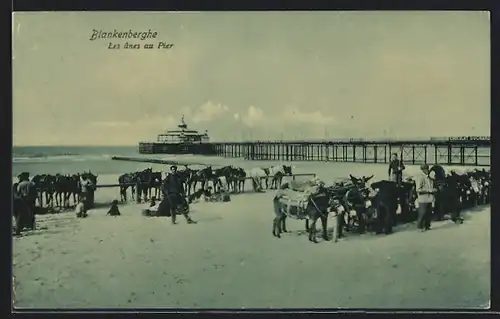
97	159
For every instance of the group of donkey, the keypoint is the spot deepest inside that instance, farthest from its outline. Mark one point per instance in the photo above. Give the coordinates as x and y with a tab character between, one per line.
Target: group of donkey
58	190
147	183
375	205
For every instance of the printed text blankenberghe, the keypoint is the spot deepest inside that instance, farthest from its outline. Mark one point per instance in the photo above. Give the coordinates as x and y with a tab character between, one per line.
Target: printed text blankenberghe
115	34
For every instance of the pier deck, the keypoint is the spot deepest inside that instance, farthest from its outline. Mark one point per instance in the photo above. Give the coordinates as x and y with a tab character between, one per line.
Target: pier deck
466	151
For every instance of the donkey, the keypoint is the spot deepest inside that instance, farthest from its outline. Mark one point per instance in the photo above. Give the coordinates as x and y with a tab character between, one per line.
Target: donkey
276	174
316	207
127	180
258	175
203	176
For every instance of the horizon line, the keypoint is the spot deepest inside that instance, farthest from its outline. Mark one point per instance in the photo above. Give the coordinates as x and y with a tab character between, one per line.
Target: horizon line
73	145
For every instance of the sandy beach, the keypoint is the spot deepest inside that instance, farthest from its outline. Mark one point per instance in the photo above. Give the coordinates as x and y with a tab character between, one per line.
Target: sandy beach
231	260
330	94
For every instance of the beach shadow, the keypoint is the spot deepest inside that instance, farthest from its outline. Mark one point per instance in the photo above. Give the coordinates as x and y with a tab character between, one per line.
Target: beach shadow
207	219
295	232
38	232
99	205
444	225
303	232
43	211
475	209
353	235
251	192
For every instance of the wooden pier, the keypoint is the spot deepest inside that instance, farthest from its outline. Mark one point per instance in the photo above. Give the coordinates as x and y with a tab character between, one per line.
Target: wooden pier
465	151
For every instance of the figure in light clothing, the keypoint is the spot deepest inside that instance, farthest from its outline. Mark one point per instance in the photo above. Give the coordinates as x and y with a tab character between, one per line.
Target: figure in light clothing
425	191
80	209
86	188
337	212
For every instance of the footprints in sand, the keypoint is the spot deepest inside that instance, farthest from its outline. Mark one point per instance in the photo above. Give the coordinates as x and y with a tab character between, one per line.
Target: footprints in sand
98	239
177	279
40	281
217	266
180	280
132	297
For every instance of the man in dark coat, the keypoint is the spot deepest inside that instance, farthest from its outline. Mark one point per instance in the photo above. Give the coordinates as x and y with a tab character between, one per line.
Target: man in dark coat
26	196
396	168
174	194
386	203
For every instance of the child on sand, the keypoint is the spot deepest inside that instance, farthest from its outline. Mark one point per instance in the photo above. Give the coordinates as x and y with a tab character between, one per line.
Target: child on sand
114	211
337	212
152	209
80	209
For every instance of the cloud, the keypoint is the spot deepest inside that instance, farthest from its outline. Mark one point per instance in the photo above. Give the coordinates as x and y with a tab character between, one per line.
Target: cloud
296	116
148	127
209	112
254	116
110	124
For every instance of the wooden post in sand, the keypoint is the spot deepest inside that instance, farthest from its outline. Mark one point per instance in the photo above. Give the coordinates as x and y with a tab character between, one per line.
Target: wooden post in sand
137	193
91	198
40	197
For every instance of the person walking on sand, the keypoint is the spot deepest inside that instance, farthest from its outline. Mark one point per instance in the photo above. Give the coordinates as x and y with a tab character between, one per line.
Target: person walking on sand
396	168
425	191
174	194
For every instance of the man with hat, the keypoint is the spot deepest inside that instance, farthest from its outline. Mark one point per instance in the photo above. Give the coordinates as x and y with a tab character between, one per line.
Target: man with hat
425	191
26	193
173	189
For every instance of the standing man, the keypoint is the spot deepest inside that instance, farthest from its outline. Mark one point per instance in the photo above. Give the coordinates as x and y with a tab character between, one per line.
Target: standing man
425	191
386	204
396	168
174	194
86	188
26	193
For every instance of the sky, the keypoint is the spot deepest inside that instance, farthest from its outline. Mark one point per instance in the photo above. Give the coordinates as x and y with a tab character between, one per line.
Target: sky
250	75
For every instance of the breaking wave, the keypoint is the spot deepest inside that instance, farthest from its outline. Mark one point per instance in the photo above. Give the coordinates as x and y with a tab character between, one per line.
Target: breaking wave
60	158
